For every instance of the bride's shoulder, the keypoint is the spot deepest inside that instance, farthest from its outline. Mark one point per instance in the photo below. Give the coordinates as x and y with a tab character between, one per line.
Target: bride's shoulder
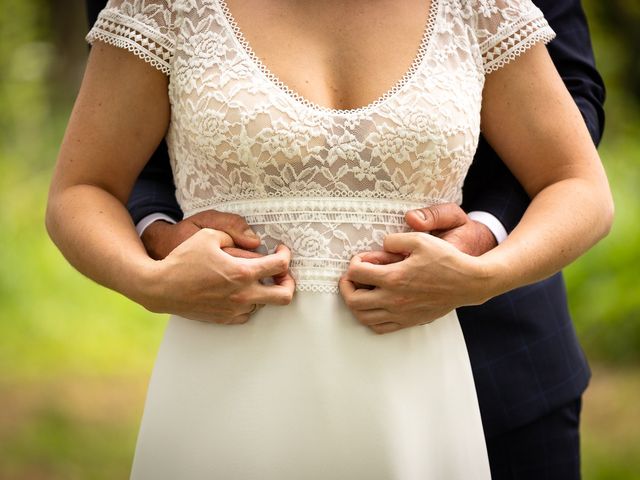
503	29
144	27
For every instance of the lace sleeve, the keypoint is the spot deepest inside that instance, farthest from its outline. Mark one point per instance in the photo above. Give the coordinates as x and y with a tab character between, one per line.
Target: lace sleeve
144	27
507	28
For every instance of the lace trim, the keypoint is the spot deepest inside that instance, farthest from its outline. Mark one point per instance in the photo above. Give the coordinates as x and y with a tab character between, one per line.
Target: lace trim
519	38
383	210
193	207
333	288
128	33
318	268
240	39
311	215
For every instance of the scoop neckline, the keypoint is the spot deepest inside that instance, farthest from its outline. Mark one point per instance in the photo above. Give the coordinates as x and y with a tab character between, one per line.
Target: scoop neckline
248	52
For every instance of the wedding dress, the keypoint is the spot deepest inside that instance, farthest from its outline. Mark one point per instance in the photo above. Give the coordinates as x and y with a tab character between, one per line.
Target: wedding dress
303	391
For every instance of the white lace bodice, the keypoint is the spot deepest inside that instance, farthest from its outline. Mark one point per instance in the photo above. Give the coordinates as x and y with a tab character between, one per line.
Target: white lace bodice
327	183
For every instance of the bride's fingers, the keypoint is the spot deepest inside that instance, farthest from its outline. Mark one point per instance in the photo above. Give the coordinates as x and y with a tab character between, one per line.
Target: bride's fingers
378	316
276	294
285	279
388	327
381	257
268	265
361	297
364	299
216	237
245	316
367	273
241	253
238	319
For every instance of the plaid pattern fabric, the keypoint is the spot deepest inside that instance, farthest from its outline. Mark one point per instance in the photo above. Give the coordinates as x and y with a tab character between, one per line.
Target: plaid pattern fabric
524	352
525	356
547	448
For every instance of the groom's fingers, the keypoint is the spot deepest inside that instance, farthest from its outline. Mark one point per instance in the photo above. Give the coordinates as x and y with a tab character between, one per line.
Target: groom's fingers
234	225
446	216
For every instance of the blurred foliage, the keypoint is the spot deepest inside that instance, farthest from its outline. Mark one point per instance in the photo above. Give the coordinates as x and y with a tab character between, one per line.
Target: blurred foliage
620	20
604	293
59	330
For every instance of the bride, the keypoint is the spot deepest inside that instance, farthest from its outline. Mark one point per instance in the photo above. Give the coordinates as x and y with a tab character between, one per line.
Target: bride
273	111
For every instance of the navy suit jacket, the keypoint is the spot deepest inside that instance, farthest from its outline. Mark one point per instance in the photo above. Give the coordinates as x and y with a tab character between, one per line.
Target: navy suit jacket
525	356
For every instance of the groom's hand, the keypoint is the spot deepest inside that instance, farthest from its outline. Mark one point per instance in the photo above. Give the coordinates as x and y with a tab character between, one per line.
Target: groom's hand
161	238
419	278
449	222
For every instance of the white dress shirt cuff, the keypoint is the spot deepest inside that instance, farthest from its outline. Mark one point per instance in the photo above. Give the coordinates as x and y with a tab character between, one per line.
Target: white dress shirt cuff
492	223
149	219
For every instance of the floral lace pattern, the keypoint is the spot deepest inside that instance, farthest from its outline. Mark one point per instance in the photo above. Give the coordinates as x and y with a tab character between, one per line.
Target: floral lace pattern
327	183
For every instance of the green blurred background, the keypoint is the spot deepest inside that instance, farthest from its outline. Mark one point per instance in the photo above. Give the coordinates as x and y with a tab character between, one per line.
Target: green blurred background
75	358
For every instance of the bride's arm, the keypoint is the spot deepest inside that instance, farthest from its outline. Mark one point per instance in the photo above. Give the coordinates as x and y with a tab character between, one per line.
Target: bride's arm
532	122
530	119
121	114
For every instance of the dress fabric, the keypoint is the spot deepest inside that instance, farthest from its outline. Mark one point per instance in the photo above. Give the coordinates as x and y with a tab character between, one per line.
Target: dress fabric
303	390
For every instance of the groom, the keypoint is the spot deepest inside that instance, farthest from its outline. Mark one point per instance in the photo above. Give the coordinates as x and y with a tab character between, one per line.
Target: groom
528	367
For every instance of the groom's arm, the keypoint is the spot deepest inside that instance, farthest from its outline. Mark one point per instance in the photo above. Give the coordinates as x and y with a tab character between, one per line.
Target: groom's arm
153	194
93	8
490	186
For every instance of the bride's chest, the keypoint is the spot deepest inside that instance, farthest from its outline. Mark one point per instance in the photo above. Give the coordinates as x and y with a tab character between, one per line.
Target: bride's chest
336	54
228	105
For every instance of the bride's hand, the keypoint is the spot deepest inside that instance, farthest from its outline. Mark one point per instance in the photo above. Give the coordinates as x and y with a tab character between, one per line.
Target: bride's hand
417	279
446	221
200	281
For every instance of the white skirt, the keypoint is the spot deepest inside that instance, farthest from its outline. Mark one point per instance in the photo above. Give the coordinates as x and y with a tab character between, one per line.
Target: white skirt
304	392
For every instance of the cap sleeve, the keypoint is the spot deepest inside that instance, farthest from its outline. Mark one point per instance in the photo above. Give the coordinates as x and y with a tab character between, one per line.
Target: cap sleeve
144	27
507	28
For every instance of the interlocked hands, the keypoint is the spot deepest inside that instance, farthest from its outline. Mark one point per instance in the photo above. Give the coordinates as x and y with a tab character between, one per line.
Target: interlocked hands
204	276
418	277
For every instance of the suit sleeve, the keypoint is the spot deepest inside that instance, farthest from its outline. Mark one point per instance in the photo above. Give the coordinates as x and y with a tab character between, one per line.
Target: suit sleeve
489	185
93	8
154	190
